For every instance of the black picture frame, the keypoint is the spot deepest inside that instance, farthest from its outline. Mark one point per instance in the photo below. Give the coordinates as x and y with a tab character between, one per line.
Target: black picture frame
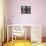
25	9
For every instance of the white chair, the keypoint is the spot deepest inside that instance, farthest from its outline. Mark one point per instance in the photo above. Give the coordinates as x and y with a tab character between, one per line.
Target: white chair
17	31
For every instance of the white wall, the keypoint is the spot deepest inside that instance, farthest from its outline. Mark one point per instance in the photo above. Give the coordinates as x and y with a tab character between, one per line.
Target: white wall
37	16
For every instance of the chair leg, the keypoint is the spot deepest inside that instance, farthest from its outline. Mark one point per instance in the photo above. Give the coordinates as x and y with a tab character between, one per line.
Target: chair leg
25	36
15	38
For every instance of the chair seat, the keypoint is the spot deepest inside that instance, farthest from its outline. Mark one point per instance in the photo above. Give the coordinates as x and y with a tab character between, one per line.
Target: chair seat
18	33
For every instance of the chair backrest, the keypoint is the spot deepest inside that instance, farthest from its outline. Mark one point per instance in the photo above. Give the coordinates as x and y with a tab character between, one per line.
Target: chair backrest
18	30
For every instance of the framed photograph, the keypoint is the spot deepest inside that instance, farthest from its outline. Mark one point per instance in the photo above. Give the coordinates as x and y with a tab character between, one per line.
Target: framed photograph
25	9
